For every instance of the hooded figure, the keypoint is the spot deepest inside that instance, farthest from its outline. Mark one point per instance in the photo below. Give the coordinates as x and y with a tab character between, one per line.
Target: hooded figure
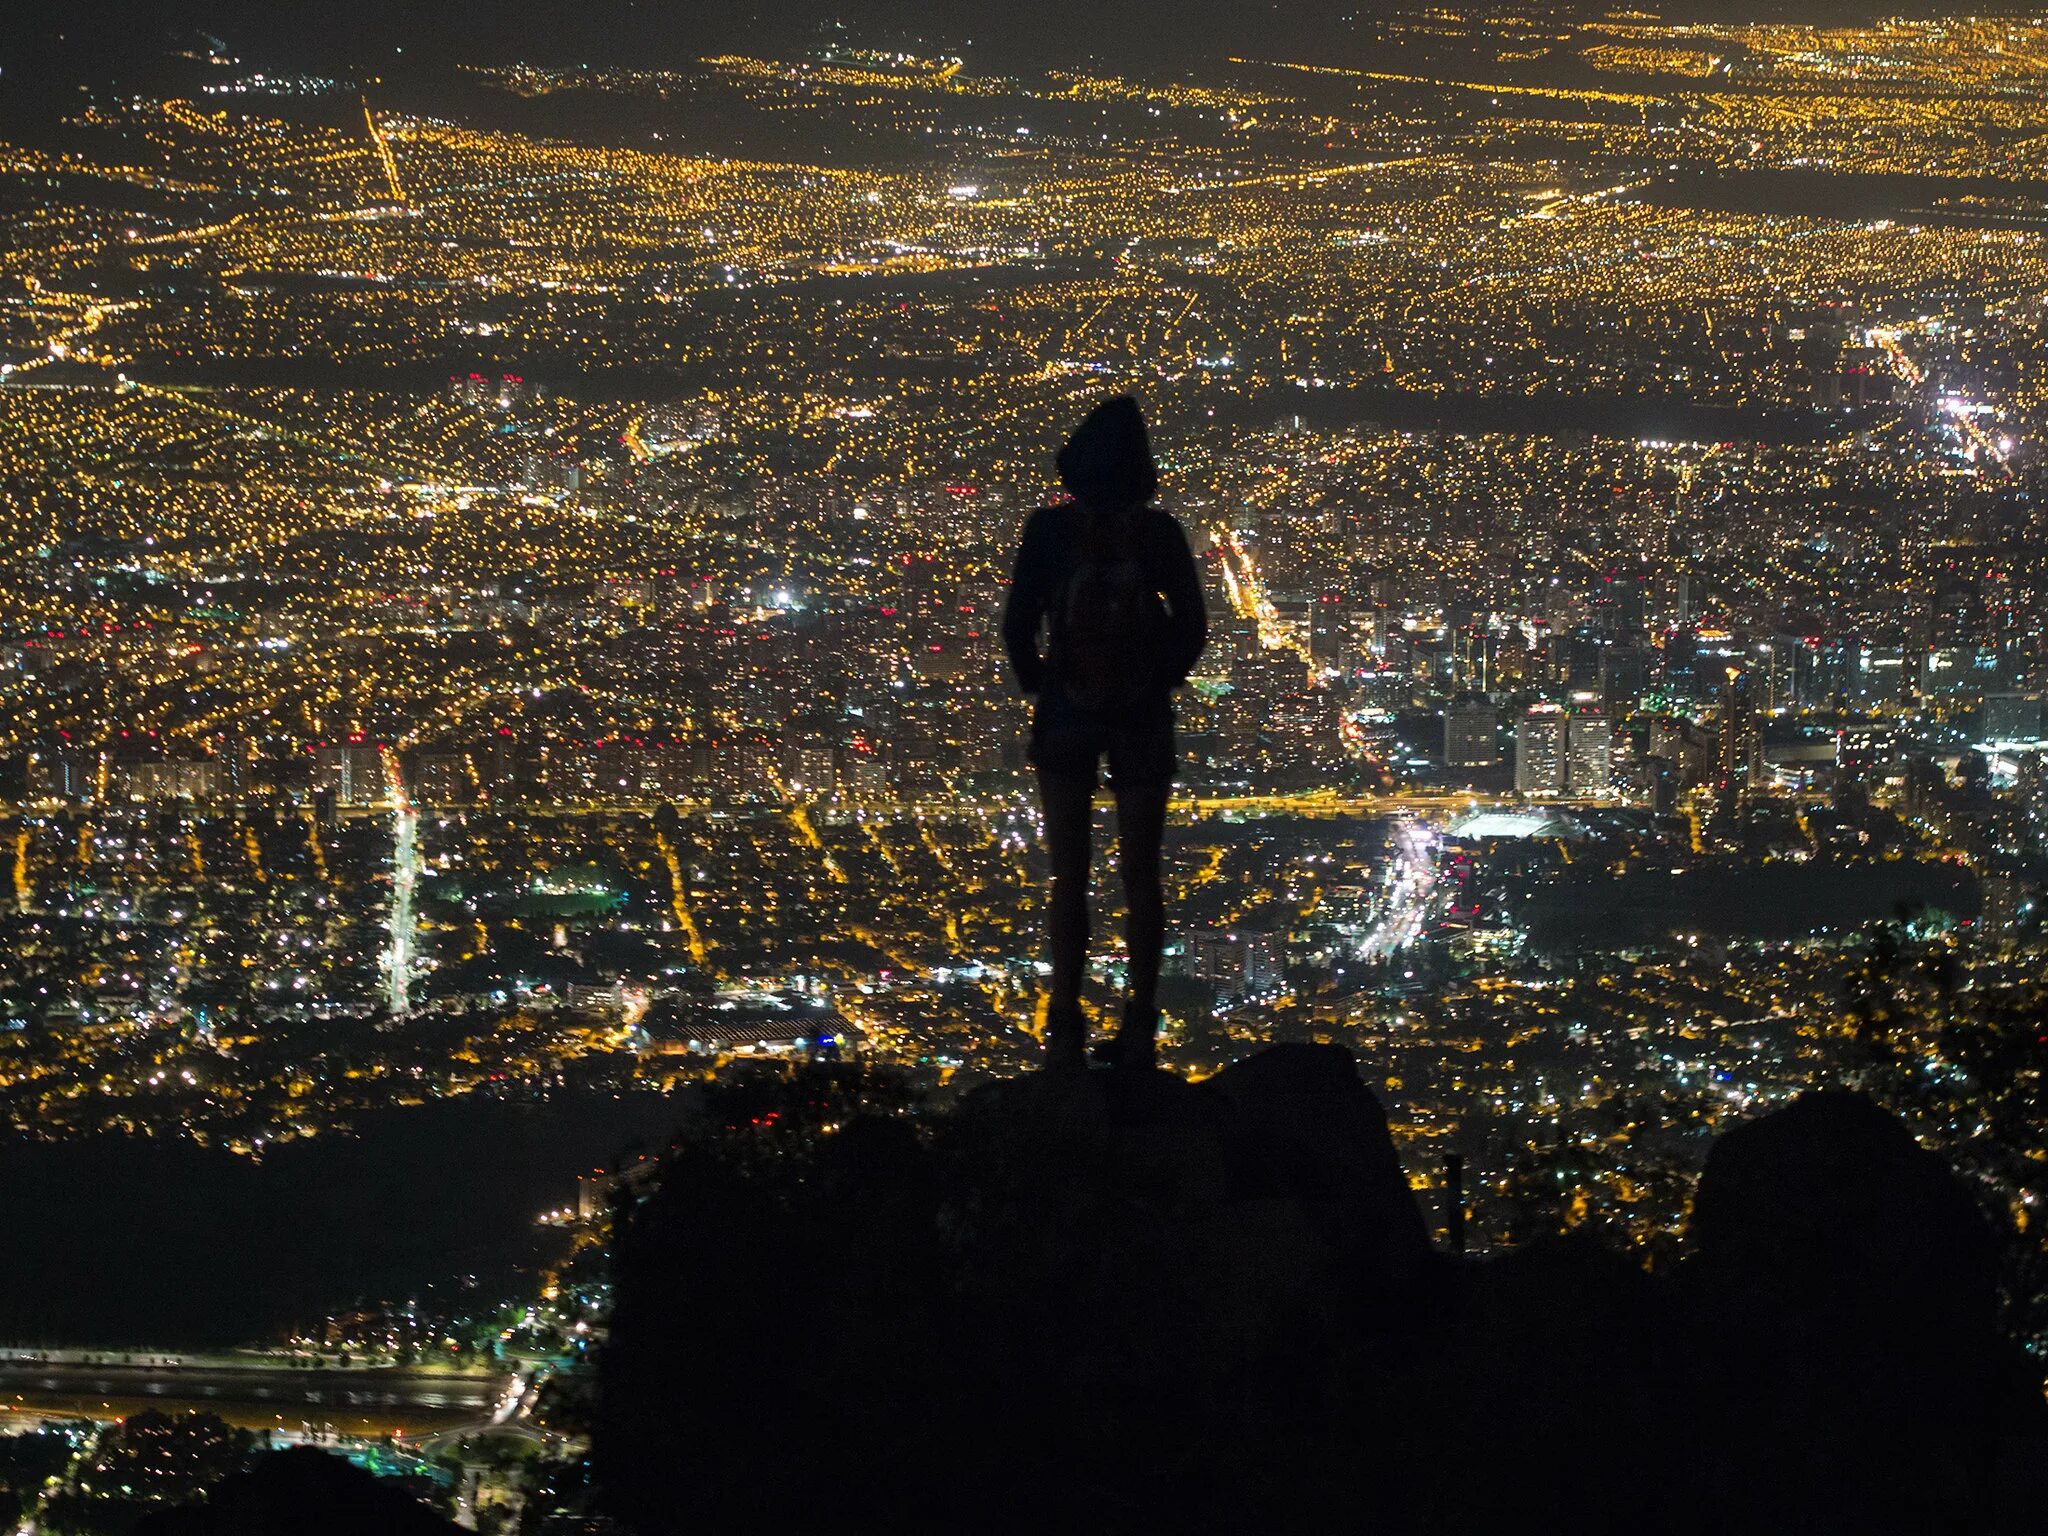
1104	619
1107	463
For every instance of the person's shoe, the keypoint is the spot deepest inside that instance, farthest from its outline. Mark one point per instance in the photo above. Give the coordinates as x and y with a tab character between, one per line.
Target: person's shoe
1135	1045
1066	1041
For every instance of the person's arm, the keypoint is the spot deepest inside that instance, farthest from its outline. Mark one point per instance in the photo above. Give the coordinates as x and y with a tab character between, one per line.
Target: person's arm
1187	613
1025	607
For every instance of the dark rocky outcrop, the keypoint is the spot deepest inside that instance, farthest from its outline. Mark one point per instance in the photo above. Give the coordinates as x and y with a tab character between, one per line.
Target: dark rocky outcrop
1842	1289
1108	1302
301	1493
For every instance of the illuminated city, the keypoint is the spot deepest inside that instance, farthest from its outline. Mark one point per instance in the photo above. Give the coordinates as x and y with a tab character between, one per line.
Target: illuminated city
499	602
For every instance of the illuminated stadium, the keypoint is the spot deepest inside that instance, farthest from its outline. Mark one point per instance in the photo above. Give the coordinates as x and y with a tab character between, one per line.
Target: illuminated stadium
1482	826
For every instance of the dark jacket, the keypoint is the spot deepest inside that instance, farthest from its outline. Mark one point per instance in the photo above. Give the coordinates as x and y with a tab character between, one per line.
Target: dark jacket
1052	547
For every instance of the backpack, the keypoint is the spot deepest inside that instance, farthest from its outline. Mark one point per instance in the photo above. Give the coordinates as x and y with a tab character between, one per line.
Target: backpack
1108	620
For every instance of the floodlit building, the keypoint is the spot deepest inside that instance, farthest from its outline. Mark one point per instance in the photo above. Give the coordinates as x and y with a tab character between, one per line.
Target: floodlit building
1557	753
1540	752
1589	758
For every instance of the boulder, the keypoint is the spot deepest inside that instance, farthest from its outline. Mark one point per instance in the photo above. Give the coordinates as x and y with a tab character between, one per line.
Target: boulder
1842	1295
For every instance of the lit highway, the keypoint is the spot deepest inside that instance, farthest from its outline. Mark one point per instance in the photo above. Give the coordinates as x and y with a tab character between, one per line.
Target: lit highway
1409	892
405	873
256	1390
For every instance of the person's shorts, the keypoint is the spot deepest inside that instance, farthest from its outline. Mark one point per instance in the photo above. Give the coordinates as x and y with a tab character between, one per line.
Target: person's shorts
1068	739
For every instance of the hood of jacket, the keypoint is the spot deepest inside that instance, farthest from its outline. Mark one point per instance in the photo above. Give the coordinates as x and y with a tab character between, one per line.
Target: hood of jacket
1108	463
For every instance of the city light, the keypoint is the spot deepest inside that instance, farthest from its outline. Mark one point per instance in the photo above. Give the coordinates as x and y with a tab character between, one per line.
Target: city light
501	627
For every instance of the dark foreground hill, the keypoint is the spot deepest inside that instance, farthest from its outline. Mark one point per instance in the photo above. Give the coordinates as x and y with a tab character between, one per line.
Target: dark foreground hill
300	1492
1110	1303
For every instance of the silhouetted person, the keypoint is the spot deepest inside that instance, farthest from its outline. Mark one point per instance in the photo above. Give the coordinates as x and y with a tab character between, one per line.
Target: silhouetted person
1110	584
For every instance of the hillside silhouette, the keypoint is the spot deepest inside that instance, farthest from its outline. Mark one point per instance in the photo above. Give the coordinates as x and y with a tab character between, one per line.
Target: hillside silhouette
300	1492
1117	1301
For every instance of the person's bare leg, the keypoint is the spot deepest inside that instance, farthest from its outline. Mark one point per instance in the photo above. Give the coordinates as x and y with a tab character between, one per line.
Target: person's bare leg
1140	832
1068	801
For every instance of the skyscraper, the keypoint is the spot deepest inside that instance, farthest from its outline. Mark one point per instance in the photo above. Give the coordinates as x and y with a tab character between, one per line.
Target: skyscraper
1589	766
1740	747
353	774
1540	752
1557	754
1327	616
2012	717
1624	675
1468	736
